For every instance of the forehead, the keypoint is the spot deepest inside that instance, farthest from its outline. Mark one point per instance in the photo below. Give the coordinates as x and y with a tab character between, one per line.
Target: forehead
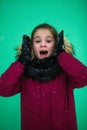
43	32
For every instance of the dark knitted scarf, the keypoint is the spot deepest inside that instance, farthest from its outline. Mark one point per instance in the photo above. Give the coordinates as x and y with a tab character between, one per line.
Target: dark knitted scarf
43	69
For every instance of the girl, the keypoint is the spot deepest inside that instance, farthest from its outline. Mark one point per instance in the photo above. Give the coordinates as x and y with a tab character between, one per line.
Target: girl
45	74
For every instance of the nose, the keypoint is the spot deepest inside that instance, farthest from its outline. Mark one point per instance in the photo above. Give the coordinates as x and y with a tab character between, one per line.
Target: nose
43	44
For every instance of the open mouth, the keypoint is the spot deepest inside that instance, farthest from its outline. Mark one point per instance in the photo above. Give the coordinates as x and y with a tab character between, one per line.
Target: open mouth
43	54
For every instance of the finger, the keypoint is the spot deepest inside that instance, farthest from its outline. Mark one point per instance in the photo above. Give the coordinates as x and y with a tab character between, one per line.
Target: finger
26	40
61	38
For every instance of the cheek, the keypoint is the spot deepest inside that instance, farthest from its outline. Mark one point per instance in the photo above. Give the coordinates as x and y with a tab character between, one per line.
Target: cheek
51	48
35	49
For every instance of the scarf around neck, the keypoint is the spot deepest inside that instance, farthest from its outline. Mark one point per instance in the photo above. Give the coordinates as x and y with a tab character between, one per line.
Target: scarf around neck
43	69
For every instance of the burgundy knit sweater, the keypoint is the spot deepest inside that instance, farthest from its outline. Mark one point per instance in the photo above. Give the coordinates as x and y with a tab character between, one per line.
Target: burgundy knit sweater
46	105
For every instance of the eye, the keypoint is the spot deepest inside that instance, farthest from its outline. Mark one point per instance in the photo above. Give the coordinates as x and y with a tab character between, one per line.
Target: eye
49	41
37	41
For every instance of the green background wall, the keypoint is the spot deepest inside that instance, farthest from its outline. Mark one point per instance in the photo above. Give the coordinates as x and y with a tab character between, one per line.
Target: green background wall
18	17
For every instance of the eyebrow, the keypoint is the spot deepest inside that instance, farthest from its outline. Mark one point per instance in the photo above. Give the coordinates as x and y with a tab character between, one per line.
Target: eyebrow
36	37
39	36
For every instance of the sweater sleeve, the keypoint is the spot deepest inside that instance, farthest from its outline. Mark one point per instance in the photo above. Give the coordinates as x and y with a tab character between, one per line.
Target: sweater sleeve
10	80
76	71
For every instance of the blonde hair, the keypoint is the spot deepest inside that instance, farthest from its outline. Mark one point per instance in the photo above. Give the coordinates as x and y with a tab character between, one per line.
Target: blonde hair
68	47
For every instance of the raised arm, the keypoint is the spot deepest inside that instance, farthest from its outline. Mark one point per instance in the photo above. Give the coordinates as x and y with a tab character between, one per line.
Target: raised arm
76	71
10	81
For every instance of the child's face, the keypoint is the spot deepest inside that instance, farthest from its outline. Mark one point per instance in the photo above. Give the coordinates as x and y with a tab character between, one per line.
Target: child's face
43	43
